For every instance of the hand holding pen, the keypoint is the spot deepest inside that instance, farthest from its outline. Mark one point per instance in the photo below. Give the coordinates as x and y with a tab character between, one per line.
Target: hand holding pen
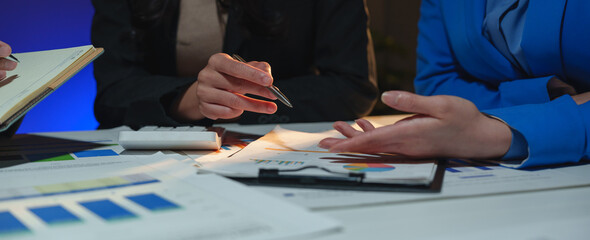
221	89
272	88
6	64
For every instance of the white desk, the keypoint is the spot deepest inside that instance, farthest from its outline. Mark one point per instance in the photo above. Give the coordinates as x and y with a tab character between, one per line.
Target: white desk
547	214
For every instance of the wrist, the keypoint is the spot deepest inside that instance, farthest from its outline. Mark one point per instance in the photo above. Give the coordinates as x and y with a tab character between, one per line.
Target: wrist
186	107
496	137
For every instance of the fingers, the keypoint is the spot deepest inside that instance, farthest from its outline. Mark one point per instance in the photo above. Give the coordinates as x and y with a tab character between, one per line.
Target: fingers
5	50
264	66
224	83
224	63
368	142
215	111
214	79
413	103
328	143
231	104
7	65
345	129
365	124
349	131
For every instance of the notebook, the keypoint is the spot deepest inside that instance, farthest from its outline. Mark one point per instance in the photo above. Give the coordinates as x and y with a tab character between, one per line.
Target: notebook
37	75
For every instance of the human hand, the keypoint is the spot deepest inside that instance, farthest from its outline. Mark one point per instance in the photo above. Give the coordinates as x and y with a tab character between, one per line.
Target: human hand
444	126
581	98
221	88
5	64
557	88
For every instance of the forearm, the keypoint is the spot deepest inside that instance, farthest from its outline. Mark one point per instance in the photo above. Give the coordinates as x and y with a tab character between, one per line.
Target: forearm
138	101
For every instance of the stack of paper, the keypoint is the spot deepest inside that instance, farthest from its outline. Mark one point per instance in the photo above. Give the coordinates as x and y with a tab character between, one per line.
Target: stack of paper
119	196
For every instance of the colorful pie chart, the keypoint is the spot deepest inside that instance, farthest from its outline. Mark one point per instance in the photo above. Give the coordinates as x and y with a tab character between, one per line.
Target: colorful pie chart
369	167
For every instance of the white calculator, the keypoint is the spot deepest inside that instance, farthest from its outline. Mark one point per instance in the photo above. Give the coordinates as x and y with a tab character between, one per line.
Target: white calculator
177	138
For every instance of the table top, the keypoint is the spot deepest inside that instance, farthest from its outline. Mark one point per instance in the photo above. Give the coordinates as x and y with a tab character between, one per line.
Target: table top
554	212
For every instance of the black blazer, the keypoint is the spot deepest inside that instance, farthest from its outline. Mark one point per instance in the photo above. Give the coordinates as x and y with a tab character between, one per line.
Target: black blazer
323	62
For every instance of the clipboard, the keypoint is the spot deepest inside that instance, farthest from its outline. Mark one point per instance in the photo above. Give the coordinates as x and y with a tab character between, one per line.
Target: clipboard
36	76
288	158
351	181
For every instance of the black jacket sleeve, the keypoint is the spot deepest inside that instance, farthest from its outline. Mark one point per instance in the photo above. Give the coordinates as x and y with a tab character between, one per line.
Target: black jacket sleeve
129	91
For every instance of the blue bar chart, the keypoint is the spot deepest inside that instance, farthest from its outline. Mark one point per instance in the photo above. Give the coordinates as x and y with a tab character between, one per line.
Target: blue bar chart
55	214
10	225
82	202
469	166
153	202
108	210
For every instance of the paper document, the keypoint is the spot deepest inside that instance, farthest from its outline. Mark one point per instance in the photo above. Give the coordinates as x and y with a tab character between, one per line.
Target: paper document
463	178
298	153
149	197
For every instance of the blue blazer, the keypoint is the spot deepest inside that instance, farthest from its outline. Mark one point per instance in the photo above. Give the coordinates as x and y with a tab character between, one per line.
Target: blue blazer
454	58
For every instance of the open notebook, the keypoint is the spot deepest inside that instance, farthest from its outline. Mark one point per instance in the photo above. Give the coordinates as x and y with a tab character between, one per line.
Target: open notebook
37	75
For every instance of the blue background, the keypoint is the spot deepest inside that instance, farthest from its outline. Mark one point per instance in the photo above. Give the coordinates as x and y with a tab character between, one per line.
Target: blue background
35	25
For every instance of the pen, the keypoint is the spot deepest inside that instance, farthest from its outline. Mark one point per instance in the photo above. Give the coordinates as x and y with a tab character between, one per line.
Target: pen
275	91
13	57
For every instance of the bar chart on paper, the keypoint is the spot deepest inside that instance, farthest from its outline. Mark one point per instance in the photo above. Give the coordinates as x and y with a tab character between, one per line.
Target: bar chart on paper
114	205
466	169
78	203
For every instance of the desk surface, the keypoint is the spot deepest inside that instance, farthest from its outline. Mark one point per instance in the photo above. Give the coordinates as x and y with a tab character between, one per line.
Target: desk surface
562	213
546	214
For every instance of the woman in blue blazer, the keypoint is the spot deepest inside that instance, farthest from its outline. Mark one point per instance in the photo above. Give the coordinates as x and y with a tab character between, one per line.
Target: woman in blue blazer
505	79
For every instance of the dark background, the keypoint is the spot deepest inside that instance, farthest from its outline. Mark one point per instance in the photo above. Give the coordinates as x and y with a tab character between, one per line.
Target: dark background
35	25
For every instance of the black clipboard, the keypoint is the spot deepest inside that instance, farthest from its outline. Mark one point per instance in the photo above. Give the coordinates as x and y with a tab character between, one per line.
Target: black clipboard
351	181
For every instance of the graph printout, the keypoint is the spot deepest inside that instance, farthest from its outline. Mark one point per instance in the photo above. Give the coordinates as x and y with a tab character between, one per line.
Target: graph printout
291	150
155	197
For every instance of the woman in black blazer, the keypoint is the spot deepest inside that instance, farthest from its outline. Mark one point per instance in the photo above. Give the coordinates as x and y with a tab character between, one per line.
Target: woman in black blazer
320	52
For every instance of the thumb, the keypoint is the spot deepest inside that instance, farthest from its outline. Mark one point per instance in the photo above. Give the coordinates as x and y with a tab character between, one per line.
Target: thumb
5	49
409	102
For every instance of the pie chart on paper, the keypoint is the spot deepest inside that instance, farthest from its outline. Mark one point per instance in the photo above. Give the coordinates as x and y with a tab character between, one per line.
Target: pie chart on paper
369	167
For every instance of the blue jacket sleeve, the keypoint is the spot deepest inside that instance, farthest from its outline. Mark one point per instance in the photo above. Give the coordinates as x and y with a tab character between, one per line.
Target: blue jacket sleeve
556	132
439	73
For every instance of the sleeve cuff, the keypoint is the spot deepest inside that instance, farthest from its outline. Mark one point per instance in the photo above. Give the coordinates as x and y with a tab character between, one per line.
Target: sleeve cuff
519	148
555	131
585	112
